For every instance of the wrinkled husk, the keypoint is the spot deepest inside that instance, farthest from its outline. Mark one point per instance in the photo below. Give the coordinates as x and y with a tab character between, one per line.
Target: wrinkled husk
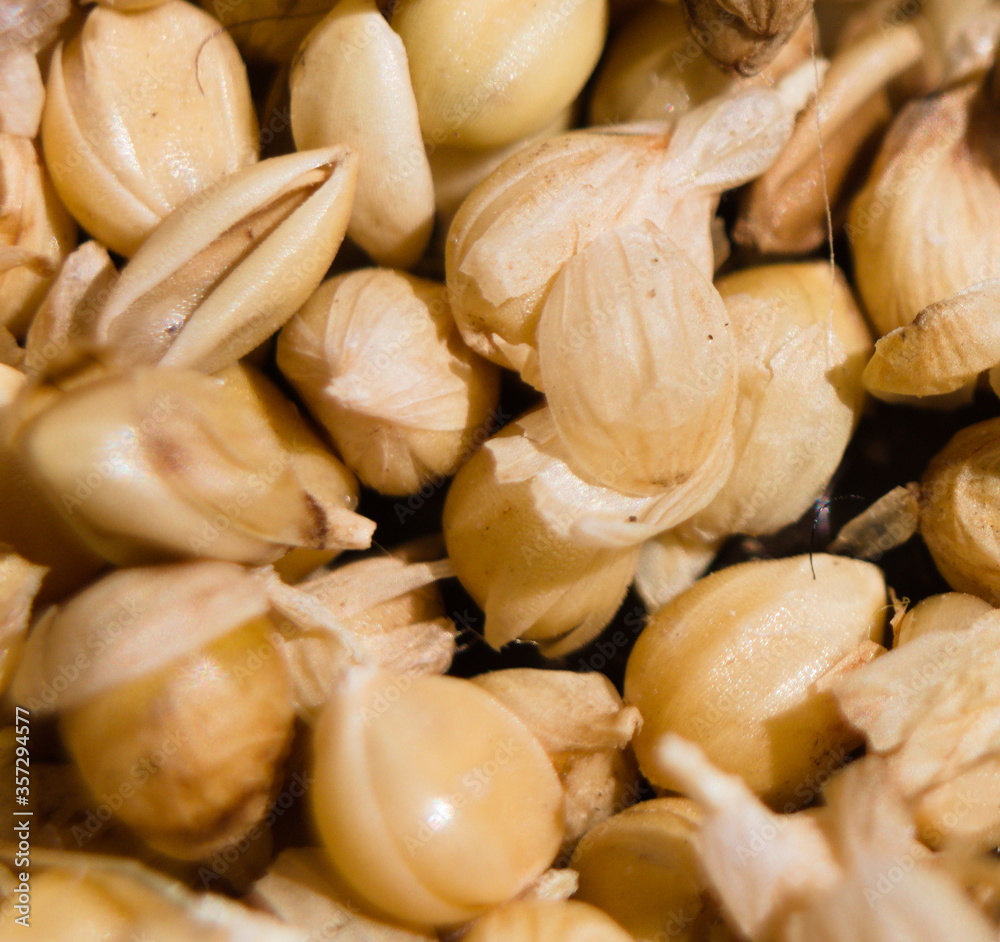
376	357
785	211
801	344
226	269
36	232
129	137
931	708
744	35
592	182
921	230
168	464
531	581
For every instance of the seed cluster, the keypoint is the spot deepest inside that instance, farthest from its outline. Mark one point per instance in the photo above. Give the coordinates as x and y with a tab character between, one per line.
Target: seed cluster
572	302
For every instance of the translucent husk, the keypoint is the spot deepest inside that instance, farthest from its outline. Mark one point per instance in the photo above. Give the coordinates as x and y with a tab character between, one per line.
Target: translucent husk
350	85
225	270
584	726
269	30
655	69
471	92
852	871
36	232
740	664
890	522
180	111
785	210
546	921
744	35
636	356
931	708
801	344
75	895
921	230
592	182
669	564
531	580
376	357
959	494
300	890
417	781
19	584
158	464
640	867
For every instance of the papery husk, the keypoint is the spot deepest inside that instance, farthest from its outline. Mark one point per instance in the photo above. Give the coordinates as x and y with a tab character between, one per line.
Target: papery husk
350	85
669	564
531	581
592	182
471	92
744	35
640	867
225	270
129	624
637	360
779	859
944	350
376	357
935	179
801	344
950	611
299	890
22	94
890	522
19	584
931	708
269	30
546	921
785	210
36	232
58	341
28	521
739	664
386	611
584	726
457	172
572	508
181	116
75	893
655	69
141	668
26	24
160	464
958	496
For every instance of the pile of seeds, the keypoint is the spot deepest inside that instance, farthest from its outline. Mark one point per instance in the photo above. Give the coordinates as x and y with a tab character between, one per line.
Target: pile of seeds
493	470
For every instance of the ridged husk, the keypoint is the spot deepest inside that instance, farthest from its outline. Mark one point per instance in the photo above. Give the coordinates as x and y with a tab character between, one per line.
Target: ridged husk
376	357
129	138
